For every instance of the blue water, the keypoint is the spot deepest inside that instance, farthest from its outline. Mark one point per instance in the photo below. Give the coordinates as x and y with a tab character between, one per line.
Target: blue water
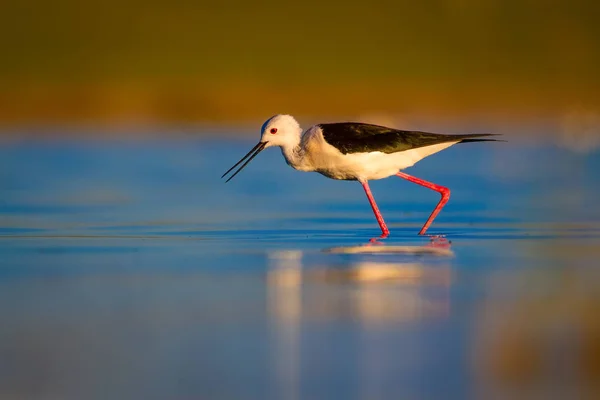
128	269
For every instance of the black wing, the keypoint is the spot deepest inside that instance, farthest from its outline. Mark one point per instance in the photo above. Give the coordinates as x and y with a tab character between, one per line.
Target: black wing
355	137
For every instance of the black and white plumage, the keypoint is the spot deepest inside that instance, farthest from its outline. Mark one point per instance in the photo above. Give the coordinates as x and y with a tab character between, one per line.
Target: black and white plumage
354	151
356	137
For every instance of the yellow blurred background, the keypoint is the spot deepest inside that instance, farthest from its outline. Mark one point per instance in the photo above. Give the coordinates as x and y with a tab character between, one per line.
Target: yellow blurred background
179	62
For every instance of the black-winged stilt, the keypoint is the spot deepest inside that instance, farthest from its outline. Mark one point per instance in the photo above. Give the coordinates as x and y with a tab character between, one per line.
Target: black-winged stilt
356	151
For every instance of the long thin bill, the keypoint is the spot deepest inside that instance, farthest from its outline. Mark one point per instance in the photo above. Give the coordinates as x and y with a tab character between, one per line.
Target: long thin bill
252	153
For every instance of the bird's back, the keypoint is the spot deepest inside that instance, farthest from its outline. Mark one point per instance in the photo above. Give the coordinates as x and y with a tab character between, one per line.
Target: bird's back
354	137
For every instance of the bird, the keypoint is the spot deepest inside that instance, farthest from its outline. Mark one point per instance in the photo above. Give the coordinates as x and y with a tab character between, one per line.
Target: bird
356	151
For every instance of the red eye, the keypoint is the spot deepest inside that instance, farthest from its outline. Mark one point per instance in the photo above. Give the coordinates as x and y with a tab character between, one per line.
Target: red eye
273	130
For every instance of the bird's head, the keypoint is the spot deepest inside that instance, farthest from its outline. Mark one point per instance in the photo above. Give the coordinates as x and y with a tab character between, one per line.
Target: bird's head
280	130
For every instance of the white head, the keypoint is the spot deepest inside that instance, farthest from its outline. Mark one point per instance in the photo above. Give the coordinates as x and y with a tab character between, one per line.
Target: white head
280	130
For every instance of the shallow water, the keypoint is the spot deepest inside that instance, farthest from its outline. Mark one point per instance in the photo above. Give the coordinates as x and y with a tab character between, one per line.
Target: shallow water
128	269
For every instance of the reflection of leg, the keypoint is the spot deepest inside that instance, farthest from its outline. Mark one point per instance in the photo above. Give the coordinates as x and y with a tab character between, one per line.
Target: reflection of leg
384	229
444	191
284	278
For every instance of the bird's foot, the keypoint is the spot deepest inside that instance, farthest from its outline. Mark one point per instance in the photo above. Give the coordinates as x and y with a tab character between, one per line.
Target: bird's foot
377	239
439	241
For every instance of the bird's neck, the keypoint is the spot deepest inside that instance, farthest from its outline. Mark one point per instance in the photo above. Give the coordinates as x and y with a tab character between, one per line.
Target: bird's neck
292	152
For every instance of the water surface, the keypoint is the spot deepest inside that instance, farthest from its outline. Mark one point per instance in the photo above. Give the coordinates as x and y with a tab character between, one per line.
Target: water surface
128	269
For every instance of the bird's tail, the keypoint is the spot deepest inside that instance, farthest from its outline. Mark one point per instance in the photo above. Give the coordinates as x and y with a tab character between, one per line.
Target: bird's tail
479	137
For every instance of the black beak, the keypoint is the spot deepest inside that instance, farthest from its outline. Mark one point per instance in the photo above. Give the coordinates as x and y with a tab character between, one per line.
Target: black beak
252	153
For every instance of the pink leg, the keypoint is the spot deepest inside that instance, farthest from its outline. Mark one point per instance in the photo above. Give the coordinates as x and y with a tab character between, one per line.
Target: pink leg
444	191
384	229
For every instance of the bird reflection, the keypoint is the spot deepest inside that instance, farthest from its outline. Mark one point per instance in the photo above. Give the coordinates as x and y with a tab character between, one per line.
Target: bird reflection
390	276
437	246
381	292
439	241
372	290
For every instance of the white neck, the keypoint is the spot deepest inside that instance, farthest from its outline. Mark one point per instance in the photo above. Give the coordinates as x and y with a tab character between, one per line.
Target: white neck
292	152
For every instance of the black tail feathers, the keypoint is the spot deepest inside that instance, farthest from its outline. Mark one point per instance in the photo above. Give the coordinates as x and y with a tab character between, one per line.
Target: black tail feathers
480	137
